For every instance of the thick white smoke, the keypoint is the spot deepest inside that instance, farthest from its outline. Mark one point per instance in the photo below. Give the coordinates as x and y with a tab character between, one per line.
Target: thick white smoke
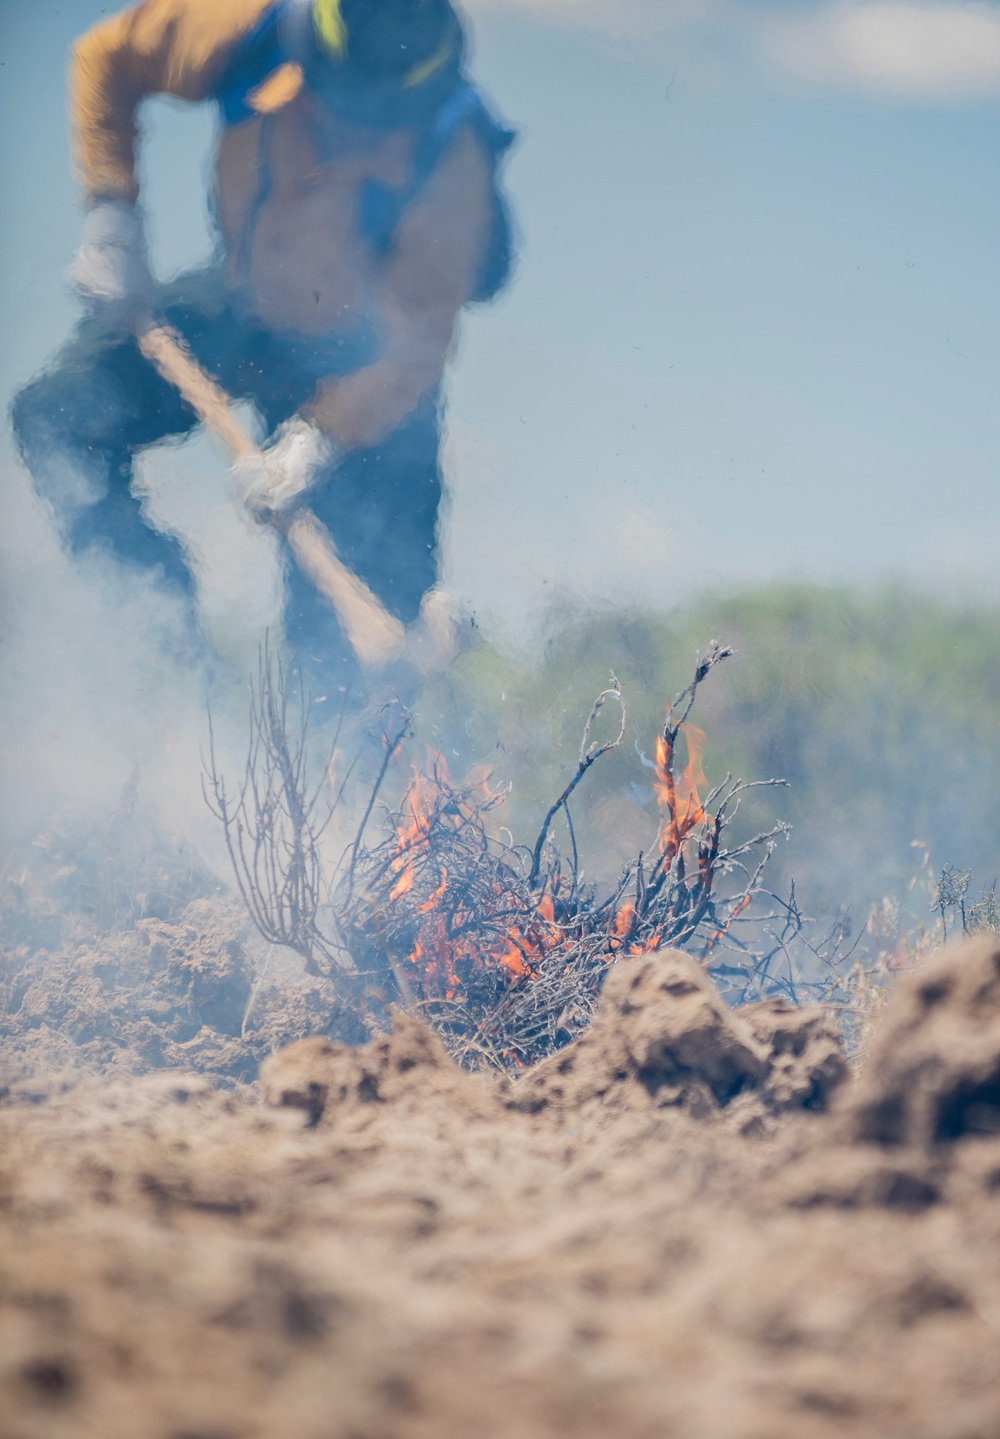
99	687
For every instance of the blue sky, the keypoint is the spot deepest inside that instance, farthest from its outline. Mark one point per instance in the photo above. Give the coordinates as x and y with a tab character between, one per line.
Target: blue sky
755	327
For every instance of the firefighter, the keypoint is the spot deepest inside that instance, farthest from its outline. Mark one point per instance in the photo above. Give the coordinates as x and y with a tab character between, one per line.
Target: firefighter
357	207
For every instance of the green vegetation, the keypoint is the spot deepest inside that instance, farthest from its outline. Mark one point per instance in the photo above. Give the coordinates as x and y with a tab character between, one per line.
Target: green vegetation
881	709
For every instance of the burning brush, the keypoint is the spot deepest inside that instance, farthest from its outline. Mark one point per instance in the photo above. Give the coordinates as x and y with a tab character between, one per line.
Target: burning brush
503	948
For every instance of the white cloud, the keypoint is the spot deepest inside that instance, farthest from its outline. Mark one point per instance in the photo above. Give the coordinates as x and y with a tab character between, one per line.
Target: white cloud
935	51
617	19
915	49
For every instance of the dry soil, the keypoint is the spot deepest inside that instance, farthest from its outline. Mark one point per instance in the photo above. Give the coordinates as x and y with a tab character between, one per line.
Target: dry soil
692	1222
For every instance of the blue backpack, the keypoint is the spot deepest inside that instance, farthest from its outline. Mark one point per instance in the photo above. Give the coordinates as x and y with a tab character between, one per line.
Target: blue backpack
275	41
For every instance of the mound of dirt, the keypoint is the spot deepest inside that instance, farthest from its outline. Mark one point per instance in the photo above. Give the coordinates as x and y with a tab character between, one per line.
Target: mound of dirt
934	1073
932	1079
664	1037
199	992
684	1226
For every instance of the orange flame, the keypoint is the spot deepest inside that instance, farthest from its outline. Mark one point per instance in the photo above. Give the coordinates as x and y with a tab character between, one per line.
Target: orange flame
403	884
621	929
649	945
433	900
526	950
411	832
678	795
452	949
512	959
441	949
446	949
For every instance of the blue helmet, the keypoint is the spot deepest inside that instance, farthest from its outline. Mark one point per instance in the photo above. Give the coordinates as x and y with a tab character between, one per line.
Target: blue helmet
383	59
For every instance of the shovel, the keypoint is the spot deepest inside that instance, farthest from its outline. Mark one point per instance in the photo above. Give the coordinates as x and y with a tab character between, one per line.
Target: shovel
383	646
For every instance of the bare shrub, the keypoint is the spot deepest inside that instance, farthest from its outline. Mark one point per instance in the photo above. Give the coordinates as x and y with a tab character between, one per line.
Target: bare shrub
274	822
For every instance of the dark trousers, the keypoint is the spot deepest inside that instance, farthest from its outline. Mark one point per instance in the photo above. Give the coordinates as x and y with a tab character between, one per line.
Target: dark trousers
79	425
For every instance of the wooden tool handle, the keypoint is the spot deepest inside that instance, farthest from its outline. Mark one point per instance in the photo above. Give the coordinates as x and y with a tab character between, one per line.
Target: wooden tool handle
375	636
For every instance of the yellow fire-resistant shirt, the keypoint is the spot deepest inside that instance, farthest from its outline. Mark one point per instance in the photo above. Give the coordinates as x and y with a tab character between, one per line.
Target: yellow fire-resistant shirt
161	47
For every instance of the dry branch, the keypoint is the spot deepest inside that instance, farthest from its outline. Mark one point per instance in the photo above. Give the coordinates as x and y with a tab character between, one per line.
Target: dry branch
506	955
501	947
273	824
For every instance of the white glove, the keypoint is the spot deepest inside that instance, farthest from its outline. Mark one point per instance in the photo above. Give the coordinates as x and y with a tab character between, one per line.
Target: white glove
273	481
111	269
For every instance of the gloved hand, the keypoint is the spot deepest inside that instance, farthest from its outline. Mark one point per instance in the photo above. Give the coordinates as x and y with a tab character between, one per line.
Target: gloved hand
274	480
111	269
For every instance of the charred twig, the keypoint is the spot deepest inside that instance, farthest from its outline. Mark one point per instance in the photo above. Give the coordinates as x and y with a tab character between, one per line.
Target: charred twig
589	754
504	949
391	749
506	955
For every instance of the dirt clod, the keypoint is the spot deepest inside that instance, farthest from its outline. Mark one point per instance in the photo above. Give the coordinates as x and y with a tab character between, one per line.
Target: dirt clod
934	1072
664	1037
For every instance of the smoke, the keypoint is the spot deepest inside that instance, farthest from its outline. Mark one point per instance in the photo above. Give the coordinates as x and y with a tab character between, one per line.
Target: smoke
100	689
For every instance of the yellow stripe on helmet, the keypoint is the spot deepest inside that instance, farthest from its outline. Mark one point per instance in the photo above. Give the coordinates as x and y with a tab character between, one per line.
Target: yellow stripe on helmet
427	68
330	28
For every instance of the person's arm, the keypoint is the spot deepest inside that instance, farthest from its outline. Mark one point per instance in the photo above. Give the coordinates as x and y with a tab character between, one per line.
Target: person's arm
438	251
171	47
160	47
